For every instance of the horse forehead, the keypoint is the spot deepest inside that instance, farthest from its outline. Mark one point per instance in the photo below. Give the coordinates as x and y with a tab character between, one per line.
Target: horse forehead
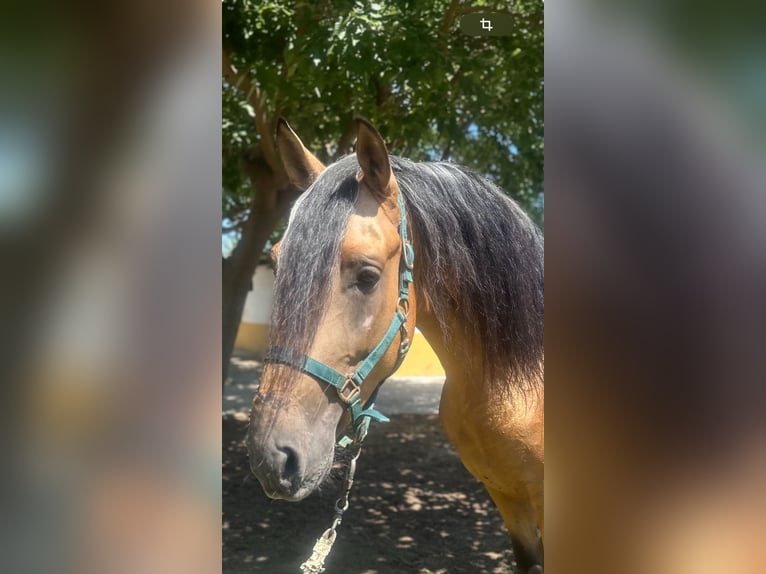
365	235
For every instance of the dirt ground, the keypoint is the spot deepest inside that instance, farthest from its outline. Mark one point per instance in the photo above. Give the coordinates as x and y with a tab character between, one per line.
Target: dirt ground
414	509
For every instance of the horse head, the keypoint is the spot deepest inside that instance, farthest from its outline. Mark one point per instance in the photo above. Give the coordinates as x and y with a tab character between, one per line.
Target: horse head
343	271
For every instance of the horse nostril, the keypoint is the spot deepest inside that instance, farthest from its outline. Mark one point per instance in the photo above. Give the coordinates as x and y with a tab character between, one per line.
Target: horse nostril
291	467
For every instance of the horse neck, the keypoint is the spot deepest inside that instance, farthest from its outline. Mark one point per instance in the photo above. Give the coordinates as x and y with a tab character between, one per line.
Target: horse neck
451	345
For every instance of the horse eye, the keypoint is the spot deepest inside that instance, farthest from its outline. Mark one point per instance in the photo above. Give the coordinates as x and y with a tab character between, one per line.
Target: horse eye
367	280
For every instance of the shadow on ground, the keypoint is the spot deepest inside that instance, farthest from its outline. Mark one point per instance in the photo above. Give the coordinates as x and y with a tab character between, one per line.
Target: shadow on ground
414	509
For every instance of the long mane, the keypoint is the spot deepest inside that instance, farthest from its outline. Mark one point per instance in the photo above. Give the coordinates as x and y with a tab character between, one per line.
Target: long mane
478	256
481	258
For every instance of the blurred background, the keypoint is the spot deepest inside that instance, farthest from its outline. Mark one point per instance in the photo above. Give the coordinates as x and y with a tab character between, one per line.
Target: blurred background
655	282
109	289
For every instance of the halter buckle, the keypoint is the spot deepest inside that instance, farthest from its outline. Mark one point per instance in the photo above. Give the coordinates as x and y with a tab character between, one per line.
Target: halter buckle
349	391
409	255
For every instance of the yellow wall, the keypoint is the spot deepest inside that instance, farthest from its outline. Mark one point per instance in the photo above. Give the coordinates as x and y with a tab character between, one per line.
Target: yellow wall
252	338
420	361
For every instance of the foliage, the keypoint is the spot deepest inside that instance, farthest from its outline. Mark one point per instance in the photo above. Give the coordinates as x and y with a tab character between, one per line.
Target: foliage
432	92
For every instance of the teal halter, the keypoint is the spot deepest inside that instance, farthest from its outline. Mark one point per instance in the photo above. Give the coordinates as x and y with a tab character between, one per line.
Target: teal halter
349	387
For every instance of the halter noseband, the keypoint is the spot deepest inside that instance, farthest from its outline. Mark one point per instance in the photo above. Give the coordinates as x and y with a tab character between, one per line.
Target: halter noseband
349	387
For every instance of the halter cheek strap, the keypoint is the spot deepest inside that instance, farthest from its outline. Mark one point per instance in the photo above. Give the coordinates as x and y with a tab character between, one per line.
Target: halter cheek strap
349	387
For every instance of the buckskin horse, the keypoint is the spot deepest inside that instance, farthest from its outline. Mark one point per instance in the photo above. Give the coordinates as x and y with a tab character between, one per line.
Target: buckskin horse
373	237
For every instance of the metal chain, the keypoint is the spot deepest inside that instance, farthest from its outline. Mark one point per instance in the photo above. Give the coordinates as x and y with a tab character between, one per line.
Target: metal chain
315	563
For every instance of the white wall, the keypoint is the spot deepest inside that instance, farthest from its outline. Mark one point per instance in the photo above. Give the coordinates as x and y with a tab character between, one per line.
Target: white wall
258	303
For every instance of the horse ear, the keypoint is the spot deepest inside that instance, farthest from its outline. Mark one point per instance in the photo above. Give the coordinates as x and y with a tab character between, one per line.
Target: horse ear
301	166
372	156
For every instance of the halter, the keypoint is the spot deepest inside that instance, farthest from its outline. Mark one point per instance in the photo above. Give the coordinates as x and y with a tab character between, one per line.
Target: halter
349	387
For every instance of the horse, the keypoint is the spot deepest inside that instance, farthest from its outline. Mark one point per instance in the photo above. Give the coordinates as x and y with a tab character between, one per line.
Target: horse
470	279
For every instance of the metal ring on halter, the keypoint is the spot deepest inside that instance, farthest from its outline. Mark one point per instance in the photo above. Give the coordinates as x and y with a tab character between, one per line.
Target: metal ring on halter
404	344
404	305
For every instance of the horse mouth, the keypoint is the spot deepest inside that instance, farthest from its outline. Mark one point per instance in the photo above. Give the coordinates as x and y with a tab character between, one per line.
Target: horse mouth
289	490
297	496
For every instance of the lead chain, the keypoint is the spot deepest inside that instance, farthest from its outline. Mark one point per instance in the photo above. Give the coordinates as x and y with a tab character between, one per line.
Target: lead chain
315	563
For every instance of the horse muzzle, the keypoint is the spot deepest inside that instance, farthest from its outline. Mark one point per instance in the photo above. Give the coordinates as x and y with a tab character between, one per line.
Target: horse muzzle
288	457
280	470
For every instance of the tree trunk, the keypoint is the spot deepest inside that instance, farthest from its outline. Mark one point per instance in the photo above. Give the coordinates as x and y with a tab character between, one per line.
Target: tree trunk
271	202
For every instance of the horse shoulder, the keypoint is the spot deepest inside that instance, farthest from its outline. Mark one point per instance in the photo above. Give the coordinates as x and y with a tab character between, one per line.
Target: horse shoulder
499	436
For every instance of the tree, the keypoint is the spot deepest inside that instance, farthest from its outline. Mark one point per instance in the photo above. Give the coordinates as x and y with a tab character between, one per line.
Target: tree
433	92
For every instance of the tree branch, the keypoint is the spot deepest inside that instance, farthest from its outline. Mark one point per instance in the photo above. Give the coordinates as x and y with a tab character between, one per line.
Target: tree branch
456	77
233	227
345	141
241	82
447	150
474	9
449	18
